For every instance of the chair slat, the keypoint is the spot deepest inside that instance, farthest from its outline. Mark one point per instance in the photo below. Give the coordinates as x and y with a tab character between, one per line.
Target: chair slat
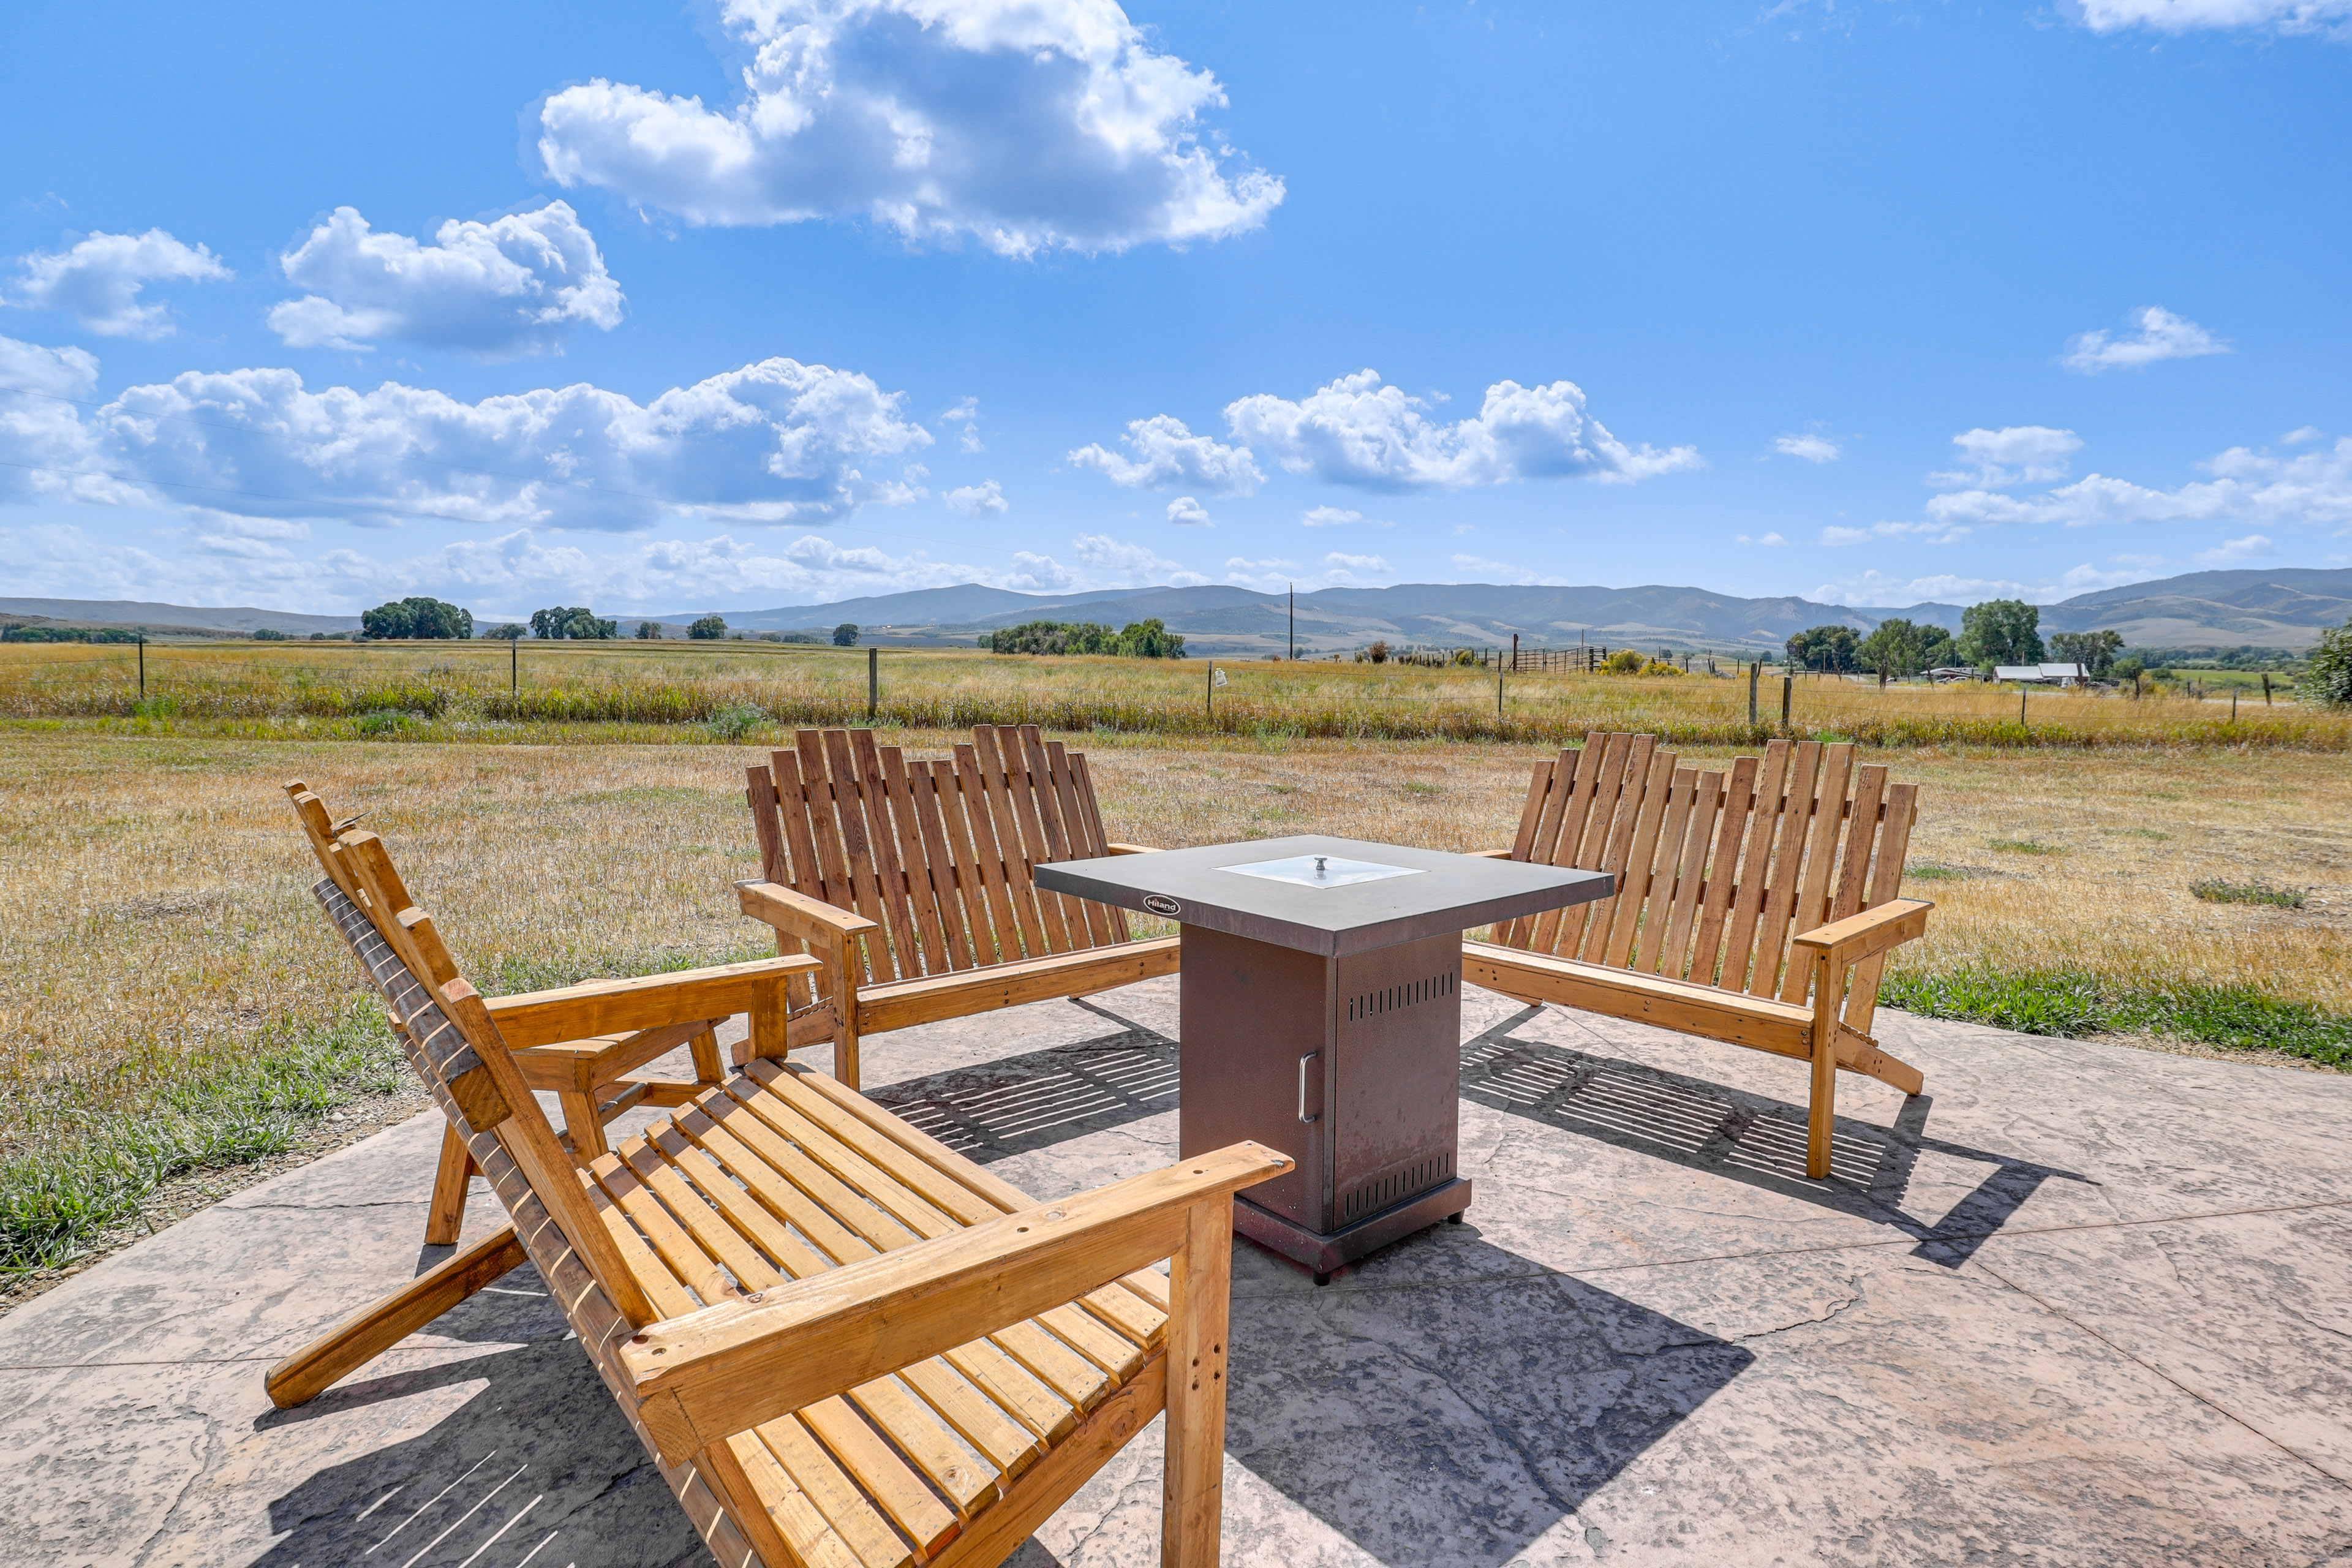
1762	820
1063	800
1615	843
981	777
1593	777
1024	790
760	791
1861	836
864	786
797	1530
1099	838
1723	868
844	1507
1885	883
842	889
948	877
916	863
1641	863
1548	790
1796	822
987	916
1690	874
1823	833
1665	861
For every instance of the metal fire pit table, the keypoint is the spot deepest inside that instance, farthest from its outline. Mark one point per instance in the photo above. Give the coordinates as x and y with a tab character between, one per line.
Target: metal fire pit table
1322	1016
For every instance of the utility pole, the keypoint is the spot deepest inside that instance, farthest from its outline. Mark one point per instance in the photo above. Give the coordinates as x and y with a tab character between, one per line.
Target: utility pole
873	682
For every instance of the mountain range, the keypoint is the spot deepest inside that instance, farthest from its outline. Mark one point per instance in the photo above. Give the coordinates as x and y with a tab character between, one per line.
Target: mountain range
2283	608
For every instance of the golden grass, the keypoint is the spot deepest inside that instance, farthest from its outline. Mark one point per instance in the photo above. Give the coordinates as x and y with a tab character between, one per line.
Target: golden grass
155	914
672	690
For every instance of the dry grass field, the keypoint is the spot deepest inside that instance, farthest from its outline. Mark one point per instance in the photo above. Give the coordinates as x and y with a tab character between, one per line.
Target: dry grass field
680	690
170	996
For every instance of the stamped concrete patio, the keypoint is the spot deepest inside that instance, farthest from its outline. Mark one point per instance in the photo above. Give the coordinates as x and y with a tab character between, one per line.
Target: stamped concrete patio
2080	1304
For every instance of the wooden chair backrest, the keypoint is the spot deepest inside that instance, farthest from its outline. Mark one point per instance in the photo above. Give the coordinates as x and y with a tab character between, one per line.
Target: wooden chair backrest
456	1046
940	854
1716	870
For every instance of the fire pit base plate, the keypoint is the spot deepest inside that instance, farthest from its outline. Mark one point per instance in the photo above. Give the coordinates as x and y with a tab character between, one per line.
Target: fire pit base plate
1323	1254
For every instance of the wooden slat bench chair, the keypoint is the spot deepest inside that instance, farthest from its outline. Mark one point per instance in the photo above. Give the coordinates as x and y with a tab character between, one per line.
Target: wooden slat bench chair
1755	905
912	880
590	1076
844	1344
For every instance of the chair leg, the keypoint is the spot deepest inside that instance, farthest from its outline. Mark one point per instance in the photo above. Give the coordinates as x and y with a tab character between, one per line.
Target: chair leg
446	1218
369	1332
844	1048
584	1126
1199	1292
1822	1111
706	1068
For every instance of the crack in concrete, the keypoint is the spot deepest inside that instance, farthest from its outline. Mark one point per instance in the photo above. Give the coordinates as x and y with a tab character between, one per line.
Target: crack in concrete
1834	1313
196	1472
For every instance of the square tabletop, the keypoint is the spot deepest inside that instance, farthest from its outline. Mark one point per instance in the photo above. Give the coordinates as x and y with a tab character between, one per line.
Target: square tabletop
1363	896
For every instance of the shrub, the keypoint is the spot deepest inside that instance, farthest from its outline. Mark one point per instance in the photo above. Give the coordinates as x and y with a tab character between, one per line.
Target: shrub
1378	653
1660	666
269	634
1624	661
2213	890
2330	679
735	721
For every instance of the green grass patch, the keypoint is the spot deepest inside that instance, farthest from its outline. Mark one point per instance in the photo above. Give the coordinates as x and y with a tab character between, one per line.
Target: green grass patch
2214	891
2071	1003
75	1172
2025	847
1931	872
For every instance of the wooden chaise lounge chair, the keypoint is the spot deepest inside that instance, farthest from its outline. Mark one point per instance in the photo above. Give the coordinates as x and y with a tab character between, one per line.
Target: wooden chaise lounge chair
1755	907
912	881
842	1343
590	1076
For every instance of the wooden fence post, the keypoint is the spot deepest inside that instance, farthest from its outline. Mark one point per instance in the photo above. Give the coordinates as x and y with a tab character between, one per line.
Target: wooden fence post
1788	689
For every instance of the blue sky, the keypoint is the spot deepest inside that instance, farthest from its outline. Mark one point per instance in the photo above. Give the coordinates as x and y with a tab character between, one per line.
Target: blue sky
778	302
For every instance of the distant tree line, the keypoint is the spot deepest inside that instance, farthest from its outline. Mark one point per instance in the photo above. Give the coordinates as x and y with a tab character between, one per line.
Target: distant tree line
576	622
1137	639
1996	632
16	631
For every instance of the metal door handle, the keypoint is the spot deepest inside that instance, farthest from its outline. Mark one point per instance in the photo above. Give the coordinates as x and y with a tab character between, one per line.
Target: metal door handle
1302	1085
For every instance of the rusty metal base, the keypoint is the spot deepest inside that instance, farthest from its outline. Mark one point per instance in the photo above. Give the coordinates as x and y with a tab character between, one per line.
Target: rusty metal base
1325	1253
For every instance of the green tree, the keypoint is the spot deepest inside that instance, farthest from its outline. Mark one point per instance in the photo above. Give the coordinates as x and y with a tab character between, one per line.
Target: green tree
2330	679
268	634
846	635
416	617
1148	639
649	631
2001	631
2095	651
508	631
576	621
709	628
1900	646
1833	648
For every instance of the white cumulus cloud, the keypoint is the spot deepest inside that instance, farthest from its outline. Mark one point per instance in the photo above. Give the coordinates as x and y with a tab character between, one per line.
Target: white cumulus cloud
1357	431
2014	455
985	499
1353	568
1765	539
1166	453
518	285
98	281
1028	124
1811	448
1329	517
1186	513
2264	489
772	442
2193	15
965	415
2253	547
1118	563
2161	336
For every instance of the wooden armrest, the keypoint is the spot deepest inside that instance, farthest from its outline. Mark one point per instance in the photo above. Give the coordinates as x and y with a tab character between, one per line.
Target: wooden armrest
1133	848
625	1006
710	1375
798	915
1856	937
1491	854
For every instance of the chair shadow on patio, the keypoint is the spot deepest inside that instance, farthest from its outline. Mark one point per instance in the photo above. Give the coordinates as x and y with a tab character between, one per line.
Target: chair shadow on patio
1748	1138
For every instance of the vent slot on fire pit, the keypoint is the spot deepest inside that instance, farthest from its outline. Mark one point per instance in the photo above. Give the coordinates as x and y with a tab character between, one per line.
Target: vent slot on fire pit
1395	1187
1389	998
